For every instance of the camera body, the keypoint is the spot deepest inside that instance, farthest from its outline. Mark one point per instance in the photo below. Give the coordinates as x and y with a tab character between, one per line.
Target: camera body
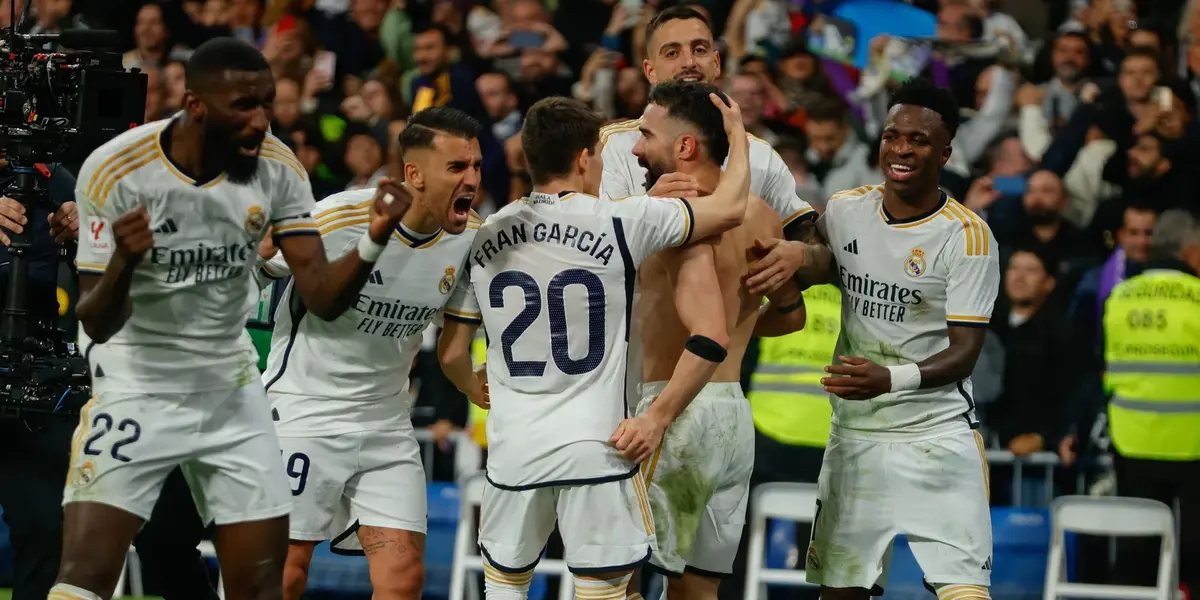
55	107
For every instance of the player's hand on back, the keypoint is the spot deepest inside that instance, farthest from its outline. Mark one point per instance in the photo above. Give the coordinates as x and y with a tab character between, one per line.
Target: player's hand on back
677	185
857	379
772	264
637	438
390	204
12	218
132	233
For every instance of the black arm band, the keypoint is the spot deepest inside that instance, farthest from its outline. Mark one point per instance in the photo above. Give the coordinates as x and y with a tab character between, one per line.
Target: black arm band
706	348
791	308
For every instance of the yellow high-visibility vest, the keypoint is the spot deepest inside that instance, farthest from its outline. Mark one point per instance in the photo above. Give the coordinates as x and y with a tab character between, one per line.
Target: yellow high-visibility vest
477	417
1152	351
786	397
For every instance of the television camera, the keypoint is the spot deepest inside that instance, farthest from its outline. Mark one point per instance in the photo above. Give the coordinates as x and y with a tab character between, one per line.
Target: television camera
61	96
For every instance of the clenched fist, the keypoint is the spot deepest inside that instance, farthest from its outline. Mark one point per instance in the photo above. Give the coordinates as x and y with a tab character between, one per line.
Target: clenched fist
391	203
132	233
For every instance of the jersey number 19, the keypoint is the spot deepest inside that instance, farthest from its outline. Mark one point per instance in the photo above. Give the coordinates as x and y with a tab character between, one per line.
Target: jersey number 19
556	304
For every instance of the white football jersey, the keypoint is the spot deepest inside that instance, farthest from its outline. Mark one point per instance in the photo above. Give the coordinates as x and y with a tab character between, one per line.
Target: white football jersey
192	291
554	275
903	284
770	177
351	374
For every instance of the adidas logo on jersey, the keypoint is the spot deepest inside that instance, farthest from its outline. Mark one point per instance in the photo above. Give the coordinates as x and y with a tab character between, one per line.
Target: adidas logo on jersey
375	277
852	247
987	564
167	226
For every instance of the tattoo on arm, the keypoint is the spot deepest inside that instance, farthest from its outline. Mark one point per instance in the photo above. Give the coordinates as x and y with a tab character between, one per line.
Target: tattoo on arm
819	268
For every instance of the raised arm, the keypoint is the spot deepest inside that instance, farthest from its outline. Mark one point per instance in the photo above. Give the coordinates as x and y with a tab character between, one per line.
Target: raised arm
106	260
726	207
329	289
701	309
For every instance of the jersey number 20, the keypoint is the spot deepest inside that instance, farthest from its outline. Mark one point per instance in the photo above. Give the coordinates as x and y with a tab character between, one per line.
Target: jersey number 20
556	304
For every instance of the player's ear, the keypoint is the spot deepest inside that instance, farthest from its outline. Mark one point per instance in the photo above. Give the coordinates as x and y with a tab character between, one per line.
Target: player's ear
414	177
583	160
687	147
946	151
193	106
648	70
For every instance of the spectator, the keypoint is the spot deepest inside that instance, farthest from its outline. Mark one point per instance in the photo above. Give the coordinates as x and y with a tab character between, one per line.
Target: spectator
1036	219
835	156
749	92
500	101
364	158
152	49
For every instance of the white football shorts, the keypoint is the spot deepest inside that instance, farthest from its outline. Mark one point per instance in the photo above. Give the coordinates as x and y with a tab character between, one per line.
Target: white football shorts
699	481
934	492
605	527
338	482
127	443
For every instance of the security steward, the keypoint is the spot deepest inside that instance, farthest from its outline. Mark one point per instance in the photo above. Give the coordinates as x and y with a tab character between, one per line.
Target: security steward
791	415
1152	372
34	449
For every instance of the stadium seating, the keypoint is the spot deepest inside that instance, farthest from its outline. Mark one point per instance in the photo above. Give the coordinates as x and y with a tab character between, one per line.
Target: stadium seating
789	501
1115	516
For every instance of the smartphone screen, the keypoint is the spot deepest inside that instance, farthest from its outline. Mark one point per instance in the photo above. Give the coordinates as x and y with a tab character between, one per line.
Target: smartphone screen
325	62
1164	96
1013	185
526	39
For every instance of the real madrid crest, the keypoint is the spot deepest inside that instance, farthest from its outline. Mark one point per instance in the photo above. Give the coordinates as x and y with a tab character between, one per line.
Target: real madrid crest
914	265
447	282
256	220
85	474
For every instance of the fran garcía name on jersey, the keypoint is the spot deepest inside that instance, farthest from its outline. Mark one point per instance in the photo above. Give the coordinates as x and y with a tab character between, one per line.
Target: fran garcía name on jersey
203	263
874	298
595	245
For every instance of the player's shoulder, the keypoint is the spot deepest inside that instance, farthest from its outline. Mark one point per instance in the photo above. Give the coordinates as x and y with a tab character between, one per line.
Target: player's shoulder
757	209
761	151
136	142
620	135
282	164
962	225
121	158
343	210
863	194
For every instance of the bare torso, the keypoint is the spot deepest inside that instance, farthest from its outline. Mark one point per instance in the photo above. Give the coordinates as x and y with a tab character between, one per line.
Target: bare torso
663	334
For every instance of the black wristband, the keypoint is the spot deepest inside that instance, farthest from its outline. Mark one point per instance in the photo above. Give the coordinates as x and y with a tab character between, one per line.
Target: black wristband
706	348
791	308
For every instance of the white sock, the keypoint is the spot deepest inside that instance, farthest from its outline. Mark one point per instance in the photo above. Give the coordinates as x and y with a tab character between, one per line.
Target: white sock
62	591
593	588
498	585
962	592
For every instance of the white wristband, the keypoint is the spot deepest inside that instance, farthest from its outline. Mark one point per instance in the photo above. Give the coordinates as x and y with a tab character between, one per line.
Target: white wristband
905	377
368	250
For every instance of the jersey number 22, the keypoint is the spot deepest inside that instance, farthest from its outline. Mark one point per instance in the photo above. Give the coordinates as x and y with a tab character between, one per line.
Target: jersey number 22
556	305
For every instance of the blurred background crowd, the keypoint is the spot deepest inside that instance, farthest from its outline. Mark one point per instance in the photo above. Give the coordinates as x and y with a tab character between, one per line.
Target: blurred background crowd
1080	131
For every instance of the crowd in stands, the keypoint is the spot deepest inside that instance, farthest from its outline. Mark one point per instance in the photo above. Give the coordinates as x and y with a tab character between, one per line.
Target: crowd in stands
1081	130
